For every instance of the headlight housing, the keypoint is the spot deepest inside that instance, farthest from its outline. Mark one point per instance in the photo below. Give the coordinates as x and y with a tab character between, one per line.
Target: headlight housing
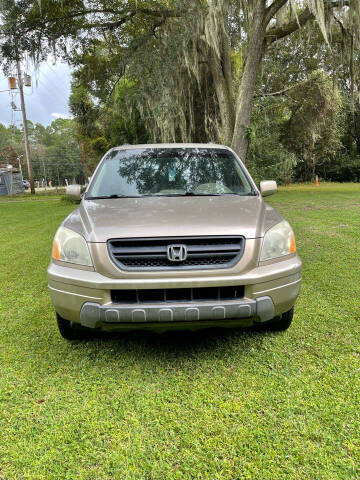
278	241
71	247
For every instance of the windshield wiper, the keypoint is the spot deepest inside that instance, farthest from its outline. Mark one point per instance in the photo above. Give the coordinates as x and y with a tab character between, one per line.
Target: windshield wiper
185	194
214	194
195	194
118	195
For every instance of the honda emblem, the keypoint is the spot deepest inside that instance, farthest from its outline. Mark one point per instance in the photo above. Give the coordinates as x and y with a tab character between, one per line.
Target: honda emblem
177	253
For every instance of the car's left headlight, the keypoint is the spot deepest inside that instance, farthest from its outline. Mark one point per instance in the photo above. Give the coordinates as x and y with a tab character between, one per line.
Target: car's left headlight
278	241
71	247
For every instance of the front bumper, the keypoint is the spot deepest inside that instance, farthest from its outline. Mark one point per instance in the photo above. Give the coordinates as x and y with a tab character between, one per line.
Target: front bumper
84	297
94	315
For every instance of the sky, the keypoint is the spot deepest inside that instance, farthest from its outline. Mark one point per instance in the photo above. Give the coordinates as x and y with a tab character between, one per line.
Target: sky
45	100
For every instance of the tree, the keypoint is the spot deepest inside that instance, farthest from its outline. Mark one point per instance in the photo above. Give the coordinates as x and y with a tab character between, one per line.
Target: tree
100	127
262	31
56	154
313	130
194	63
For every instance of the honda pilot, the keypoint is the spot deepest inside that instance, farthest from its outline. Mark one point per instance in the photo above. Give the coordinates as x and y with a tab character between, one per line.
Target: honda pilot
172	236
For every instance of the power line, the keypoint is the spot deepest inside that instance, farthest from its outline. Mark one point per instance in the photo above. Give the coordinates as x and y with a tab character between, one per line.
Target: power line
47	87
55	92
52	80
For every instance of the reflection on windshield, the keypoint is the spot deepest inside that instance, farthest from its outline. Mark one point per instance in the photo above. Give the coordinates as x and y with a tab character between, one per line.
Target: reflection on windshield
169	171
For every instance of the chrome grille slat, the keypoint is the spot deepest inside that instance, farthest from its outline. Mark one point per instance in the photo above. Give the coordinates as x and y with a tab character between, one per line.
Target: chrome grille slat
142	256
213	254
151	253
213	248
138	250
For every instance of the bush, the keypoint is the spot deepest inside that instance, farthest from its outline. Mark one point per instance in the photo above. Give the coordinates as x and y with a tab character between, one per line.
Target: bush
343	169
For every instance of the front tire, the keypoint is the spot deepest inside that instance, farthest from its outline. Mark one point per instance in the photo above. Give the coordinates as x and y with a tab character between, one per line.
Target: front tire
68	331
282	323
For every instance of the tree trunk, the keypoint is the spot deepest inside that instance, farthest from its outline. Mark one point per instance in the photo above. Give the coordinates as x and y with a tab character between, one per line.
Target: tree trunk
221	73
219	57
245	97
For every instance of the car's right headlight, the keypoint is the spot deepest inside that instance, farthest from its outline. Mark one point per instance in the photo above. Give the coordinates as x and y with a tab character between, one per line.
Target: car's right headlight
278	241
71	247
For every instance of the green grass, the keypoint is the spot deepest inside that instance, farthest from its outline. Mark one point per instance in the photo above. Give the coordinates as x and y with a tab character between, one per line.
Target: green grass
212	405
52	195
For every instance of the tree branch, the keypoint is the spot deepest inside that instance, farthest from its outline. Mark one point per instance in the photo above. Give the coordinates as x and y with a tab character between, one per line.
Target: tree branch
107	25
276	33
83	13
126	15
272	9
163	13
280	92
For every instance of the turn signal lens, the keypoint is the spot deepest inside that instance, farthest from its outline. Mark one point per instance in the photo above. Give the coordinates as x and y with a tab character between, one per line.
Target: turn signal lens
292	246
56	250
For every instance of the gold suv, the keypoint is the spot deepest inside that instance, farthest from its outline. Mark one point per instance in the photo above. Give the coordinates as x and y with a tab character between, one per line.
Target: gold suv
173	236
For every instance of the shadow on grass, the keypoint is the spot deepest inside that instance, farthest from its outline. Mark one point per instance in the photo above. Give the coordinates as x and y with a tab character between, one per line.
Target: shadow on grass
182	344
147	347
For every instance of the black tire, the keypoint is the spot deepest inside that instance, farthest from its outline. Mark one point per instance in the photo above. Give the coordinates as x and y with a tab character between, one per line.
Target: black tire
69	332
281	323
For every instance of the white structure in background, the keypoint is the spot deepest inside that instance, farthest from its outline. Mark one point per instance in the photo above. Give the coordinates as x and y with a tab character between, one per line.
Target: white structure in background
11	181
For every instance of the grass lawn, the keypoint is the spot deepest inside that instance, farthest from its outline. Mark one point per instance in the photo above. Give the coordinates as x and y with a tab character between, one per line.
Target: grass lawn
40	195
223	405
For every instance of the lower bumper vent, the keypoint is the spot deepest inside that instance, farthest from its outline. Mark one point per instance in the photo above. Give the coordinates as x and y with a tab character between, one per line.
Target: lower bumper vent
173	295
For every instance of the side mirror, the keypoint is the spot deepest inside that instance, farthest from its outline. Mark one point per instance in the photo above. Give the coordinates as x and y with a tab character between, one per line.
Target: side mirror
268	187
73	192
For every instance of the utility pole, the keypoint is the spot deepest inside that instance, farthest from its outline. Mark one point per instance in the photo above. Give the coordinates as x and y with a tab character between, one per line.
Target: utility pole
26	133
20	168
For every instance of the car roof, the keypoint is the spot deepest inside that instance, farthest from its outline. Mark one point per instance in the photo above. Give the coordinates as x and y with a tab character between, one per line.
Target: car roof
171	145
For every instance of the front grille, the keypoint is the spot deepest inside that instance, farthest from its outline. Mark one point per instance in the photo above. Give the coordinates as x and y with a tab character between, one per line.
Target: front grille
152	253
163	295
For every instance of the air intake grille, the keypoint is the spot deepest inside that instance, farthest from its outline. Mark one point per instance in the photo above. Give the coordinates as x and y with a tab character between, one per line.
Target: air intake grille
153	253
174	295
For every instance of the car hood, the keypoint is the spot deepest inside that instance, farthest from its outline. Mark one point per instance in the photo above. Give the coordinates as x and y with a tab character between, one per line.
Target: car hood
103	219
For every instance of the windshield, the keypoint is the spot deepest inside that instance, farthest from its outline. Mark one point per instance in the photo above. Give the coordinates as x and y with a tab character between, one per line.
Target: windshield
168	172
